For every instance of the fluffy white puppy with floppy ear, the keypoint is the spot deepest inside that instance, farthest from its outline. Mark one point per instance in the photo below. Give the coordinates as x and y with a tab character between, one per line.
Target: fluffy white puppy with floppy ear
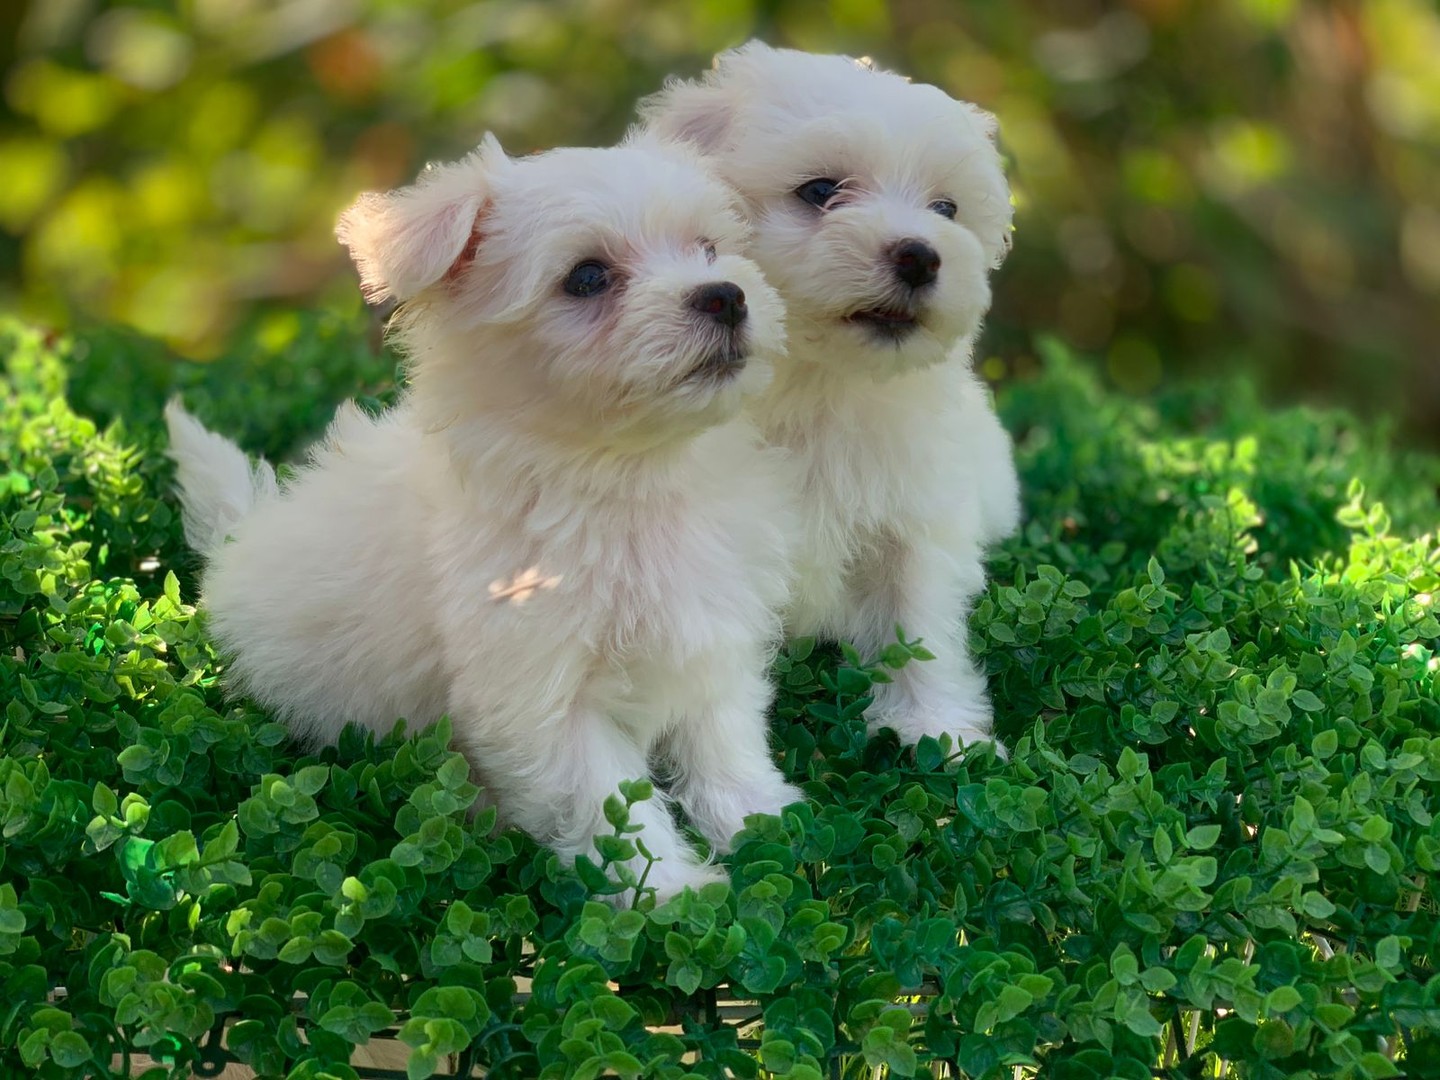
565	536
878	208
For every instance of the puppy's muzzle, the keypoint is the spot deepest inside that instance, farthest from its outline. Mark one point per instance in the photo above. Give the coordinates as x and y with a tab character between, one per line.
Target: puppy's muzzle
723	301
916	263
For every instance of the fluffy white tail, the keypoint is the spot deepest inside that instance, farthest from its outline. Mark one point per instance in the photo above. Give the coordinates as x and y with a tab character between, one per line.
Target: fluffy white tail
217	483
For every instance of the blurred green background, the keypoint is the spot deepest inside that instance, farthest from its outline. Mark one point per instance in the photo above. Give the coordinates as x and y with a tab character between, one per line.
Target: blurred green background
1201	183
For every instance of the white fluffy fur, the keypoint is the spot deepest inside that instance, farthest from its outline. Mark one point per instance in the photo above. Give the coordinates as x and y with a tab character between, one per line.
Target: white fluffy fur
564	536
906	474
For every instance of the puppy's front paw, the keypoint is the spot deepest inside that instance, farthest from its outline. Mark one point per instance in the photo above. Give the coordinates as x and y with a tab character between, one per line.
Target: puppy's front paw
720	812
672	880
667	876
966	725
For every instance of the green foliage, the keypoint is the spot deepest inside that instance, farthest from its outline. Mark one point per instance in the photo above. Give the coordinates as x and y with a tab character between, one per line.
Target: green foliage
276	387
1214	657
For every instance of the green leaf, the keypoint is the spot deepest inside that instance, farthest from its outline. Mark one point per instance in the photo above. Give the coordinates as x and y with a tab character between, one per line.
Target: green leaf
422	1063
1139	1020
1282	999
883	1048
1316	906
616	812
1013	1000
311	779
104	801
1202	837
685	976
1274	1039
69	1050
1387	953
455	773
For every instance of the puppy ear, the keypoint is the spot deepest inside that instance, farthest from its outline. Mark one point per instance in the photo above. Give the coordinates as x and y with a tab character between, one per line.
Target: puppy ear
986	122
988	126
404	241
694	112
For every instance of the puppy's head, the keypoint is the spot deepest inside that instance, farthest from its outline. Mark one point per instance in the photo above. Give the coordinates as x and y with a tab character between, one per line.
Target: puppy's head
600	291
878	205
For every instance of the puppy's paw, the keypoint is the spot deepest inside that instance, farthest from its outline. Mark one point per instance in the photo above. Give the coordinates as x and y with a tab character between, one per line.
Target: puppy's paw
720	812
667	876
669	881
966	725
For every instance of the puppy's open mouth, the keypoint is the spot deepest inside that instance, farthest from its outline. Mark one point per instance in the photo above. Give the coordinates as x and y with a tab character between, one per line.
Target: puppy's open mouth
722	364
890	322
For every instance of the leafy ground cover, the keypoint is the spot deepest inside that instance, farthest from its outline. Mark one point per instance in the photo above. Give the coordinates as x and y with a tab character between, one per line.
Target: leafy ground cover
1213	851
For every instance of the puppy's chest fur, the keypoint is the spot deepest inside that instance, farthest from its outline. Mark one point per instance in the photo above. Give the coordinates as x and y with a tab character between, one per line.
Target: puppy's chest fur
664	573
875	465
880	456
674	578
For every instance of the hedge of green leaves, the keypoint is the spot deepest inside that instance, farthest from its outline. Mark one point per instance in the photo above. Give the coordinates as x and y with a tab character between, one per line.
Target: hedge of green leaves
1215	845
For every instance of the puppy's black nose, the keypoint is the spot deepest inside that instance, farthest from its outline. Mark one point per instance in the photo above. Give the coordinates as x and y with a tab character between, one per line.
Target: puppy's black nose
916	262
723	301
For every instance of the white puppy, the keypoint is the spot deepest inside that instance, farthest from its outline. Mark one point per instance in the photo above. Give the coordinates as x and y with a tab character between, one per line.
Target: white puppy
565	536
878	207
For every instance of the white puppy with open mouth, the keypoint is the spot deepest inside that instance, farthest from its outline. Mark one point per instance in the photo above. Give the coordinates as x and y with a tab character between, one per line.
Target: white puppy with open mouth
565	536
878	208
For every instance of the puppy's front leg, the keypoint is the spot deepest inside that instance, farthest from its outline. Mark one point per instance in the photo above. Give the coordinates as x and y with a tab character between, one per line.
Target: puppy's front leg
553	781
721	754
926	591
990	455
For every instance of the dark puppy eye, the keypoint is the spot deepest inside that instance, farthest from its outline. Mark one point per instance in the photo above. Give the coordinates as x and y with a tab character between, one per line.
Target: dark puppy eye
944	207
817	192
588	279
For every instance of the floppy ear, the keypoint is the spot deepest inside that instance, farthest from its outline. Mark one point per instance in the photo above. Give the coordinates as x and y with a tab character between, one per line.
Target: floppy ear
703	111
695	112
987	122
999	204
404	241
